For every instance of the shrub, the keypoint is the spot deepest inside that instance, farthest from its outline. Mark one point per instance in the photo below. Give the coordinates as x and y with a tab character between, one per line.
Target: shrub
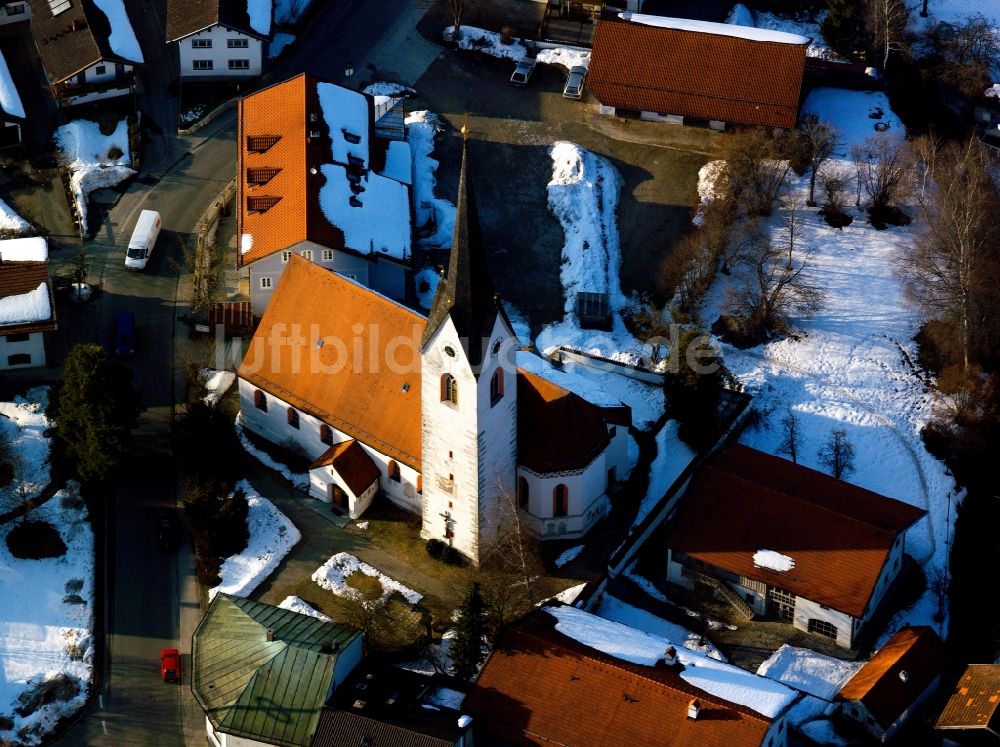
61	687
114	153
435	548
34	540
444	552
835	217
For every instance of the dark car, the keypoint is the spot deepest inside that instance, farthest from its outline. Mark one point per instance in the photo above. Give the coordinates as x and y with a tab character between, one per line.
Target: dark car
522	73
166	530
125	333
170	665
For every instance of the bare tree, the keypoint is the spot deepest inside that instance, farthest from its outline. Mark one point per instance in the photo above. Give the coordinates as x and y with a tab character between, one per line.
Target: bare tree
770	286
821	141
651	325
791	438
947	265
967	50
884	166
17	495
756	171
514	549
837	454
886	22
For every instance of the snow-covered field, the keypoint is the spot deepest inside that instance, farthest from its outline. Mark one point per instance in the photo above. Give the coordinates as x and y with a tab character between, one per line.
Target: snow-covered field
333	574
718	678
87	154
47	617
808	671
849	365
272	536
298	479
421	127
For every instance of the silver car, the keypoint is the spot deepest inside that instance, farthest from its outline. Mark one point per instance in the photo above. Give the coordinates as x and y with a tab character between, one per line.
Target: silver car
522	73
574	82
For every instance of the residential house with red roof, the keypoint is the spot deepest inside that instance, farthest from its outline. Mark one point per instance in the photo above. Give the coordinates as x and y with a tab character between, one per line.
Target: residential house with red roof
219	39
27	308
678	70
972	713
432	412
543	685
315	180
888	690
88	55
782	539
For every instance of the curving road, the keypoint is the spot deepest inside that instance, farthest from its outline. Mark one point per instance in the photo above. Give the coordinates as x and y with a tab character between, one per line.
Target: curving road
151	600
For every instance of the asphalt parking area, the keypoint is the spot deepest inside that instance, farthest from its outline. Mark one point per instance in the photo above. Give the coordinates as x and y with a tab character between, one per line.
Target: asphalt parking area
511	130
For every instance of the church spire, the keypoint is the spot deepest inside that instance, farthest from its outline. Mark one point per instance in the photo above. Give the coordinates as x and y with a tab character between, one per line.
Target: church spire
466	294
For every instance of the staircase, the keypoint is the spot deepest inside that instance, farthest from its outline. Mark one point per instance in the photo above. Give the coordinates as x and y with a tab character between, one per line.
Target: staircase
723	590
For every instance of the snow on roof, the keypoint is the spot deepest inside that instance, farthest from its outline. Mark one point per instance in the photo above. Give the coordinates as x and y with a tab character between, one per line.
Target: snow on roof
26	307
808	671
33	249
384	88
246	242
775	561
399	162
296	604
579	385
10	102
10	220
346	114
722	680
259	12
720	29
122	39
426	281
376	219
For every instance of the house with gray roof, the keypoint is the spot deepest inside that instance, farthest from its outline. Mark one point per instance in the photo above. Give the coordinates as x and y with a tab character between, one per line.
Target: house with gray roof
262	674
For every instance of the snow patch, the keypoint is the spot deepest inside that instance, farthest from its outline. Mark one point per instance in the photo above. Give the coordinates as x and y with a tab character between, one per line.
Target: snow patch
332	575
272	536
612	608
384	88
278	44
672	457
216	383
86	152
122	39
487	42
259	12
10	102
808	671
568	556
426	281
428	210
772	560
295	604
740	15
566	57
298	479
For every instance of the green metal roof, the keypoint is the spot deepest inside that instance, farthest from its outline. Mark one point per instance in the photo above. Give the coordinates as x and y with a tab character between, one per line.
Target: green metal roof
270	691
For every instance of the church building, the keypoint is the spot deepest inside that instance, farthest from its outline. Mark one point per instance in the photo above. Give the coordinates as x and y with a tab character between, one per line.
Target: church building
432	412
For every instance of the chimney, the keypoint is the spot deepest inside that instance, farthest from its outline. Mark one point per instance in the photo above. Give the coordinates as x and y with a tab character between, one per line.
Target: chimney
694	708
270	635
670	656
903	676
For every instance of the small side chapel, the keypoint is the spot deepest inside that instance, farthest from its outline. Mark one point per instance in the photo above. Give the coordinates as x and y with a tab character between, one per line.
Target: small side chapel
455	432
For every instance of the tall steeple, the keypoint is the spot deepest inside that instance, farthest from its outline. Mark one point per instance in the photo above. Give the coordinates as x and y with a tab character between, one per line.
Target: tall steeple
466	294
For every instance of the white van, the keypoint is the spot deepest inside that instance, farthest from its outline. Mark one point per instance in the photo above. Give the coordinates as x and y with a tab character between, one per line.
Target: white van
140	246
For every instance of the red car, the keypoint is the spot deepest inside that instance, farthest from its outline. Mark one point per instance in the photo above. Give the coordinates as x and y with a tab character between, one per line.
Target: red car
170	665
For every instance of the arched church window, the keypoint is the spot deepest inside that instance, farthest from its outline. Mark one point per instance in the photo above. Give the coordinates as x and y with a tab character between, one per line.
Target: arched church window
560	500
449	389
496	387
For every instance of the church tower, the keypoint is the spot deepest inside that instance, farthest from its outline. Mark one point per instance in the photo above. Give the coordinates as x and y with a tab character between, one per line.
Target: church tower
469	395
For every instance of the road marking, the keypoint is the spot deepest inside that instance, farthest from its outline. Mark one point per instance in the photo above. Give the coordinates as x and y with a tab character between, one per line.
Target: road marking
104	727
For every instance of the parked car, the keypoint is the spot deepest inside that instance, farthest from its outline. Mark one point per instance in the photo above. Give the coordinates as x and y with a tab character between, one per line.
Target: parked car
170	665
166	530
522	73
125	333
574	82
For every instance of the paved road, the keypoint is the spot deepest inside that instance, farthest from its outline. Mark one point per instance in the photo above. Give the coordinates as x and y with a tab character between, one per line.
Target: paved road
153	601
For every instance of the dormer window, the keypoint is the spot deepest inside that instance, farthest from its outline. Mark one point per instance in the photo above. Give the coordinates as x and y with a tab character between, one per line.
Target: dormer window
262	203
261	143
261	175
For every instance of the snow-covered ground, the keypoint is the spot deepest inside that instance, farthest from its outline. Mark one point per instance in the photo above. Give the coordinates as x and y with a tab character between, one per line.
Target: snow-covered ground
10	101
216	384
278	44
23	423
10	220
487	42
801	26
672	457
808	671
848	365
298	479
122	38
86	153
583	195
272	536
421	127
47	617
612	608
568	556
851	113
718	678
333	574
303	608
566	57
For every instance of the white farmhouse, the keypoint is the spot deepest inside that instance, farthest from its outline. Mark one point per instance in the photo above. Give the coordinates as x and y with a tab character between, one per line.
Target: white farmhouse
776	538
434	412
219	39
27	310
